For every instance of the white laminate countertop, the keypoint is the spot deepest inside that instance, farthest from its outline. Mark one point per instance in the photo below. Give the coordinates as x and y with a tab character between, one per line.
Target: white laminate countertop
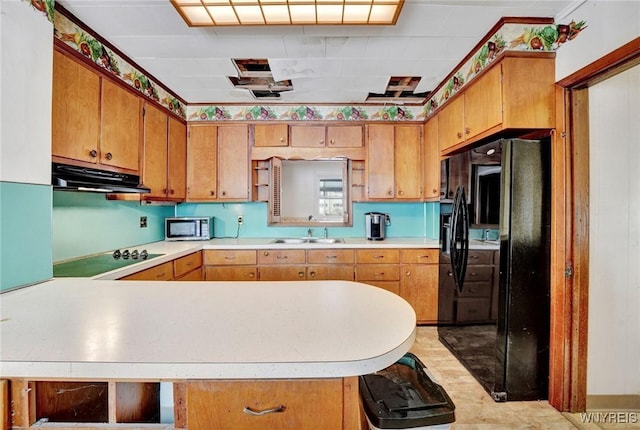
102	329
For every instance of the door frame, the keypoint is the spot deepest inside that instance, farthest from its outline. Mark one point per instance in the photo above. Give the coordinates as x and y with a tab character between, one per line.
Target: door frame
570	228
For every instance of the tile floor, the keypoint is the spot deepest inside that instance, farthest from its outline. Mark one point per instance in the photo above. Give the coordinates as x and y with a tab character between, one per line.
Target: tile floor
475	410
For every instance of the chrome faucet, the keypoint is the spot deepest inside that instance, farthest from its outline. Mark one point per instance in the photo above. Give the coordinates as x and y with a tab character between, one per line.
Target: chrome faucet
326	233
486	234
309	232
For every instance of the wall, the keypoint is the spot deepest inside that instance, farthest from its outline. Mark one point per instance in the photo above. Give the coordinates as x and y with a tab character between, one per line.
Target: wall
407	219
26	37
610	24
614	330
614	236
87	223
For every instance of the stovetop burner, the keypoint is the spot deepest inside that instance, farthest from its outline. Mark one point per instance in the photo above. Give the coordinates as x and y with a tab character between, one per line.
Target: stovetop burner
96	264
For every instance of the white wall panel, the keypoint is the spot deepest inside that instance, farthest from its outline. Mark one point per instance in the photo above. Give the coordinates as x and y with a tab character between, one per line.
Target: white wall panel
26	40
610	24
614	236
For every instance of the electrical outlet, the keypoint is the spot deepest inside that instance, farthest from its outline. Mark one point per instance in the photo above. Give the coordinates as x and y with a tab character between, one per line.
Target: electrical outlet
240	219
143	222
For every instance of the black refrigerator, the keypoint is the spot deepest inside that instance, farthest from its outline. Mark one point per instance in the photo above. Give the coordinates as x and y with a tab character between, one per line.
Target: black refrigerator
515	361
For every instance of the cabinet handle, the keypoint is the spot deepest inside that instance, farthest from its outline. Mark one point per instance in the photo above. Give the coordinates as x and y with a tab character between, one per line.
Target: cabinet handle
332	257
467	130
266	253
247	410
93	153
473	257
213	193
321	141
378	256
282	139
401	193
224	193
109	156
282	257
459	135
390	192
300	274
408	273
252	275
171	191
474	273
332	142
379	274
450	273
160	275
227	257
312	274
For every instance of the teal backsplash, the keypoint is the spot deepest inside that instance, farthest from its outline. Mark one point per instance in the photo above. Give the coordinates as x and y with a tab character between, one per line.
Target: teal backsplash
407	219
87	223
25	234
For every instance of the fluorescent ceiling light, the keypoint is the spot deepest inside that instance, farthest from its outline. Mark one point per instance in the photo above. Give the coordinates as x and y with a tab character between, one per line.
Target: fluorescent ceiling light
202	13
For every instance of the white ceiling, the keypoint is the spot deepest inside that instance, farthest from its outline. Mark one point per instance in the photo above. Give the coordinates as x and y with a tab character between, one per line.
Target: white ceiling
327	64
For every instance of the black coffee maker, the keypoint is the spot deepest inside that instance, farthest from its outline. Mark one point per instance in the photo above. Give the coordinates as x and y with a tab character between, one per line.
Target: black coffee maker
374	225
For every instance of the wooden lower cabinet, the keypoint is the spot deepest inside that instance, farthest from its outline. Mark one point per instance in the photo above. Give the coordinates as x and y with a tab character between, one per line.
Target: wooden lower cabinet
310	404
230	265
161	272
187	268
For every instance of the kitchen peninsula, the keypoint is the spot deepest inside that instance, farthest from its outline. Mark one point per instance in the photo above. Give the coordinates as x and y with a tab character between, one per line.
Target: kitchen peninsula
255	353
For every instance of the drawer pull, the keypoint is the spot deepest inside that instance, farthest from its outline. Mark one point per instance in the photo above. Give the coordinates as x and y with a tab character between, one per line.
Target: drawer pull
247	410
474	257
227	257
282	257
378	256
331	257
252	275
379	274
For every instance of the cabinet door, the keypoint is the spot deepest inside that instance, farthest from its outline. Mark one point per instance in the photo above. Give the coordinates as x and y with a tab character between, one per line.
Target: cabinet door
380	162
271	135
161	272
340	272
177	166
121	127
283	273
483	103
308	136
154	173
306	404
202	162
451	123
431	161
349	136
230	273
75	116
419	287
233	162
408	161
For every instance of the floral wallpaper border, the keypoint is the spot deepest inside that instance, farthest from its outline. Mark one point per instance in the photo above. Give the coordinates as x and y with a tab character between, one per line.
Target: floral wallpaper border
72	35
509	37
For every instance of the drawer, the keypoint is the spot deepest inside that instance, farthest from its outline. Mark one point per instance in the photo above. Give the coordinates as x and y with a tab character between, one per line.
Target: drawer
313	404
419	256
161	272
476	289
480	257
225	257
378	272
391	286
186	264
331	256
330	272
377	256
472	310
282	273
195	275
281	256
230	273
478	273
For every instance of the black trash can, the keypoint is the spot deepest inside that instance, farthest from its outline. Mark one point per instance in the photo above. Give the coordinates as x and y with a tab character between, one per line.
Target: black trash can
403	396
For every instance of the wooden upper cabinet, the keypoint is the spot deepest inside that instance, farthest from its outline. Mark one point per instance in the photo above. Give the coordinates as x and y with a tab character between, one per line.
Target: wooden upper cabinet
202	162
177	166
345	136
121	127
408	161
312	136
233	162
431	160
75	117
483	103
451	123
516	92
394	161
271	135
154	172
380	163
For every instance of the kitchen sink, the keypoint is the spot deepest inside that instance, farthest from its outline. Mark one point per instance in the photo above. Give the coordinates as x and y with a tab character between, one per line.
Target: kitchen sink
317	240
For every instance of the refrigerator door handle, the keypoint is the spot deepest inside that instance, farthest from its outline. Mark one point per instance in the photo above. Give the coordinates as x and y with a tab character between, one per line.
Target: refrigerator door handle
459	240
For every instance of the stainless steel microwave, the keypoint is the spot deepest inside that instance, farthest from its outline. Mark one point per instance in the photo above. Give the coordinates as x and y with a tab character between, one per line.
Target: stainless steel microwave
188	228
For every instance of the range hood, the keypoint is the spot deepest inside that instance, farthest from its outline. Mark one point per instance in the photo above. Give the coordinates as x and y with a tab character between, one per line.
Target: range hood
65	177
